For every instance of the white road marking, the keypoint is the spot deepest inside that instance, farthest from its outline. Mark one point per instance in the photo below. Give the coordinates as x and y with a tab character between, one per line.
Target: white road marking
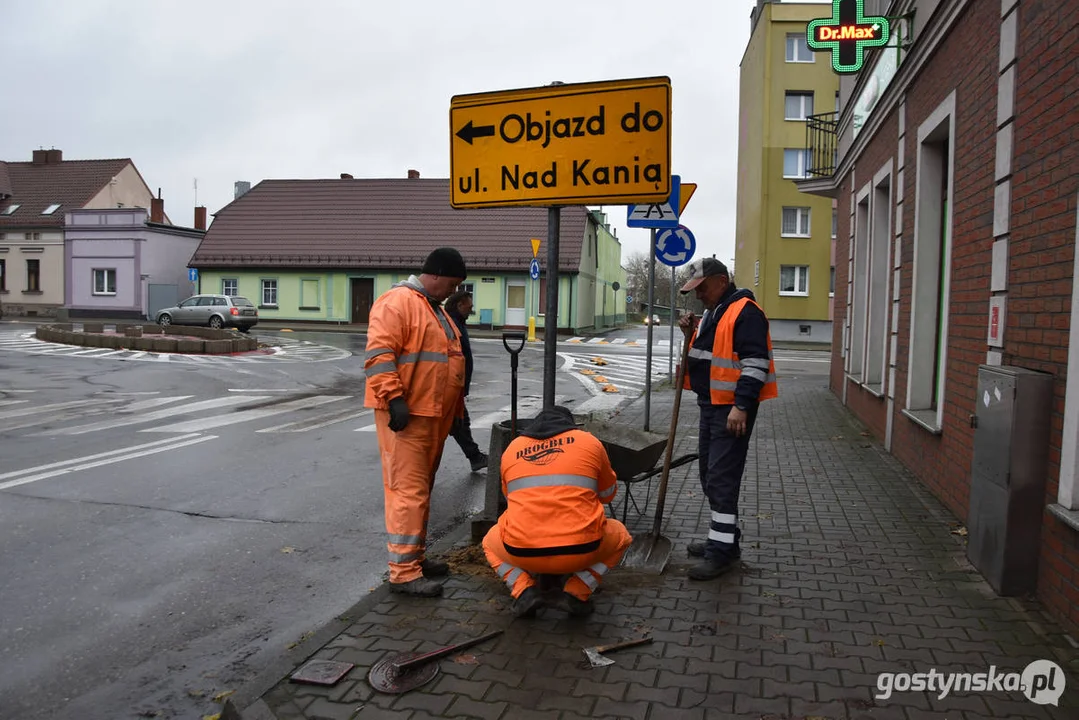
246	415
113	456
157	415
316	422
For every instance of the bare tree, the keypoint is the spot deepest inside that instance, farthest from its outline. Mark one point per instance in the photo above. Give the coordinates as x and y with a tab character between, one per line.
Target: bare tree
636	266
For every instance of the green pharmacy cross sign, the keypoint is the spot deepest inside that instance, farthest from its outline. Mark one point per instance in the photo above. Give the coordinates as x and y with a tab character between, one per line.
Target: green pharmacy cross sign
847	33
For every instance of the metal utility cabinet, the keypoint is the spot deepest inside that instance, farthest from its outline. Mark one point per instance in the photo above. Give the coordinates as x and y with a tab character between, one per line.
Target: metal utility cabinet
1007	488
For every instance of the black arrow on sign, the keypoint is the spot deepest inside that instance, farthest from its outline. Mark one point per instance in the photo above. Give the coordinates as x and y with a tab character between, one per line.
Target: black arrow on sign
468	132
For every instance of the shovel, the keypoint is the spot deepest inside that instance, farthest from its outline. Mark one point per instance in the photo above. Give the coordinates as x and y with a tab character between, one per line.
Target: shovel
650	552
514	352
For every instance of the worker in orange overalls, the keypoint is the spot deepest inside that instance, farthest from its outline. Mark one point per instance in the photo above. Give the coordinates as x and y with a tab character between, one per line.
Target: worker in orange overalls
556	479
415	381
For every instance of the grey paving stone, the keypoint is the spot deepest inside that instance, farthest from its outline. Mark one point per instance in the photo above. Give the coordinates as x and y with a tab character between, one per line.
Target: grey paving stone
467	707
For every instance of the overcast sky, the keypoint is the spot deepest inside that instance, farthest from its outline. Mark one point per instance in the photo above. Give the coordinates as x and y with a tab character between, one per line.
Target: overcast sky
250	90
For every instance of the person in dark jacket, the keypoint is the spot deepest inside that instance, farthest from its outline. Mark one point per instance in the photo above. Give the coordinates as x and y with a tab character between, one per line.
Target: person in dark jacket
730	368
459	307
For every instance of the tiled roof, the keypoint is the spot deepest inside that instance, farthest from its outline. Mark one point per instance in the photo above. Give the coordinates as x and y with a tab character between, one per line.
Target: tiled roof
385	224
5	180
71	183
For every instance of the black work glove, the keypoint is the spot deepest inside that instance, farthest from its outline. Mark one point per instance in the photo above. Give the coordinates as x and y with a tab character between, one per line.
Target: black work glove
399	414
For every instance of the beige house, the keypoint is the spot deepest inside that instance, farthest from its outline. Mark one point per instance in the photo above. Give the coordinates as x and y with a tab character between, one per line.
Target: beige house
34	198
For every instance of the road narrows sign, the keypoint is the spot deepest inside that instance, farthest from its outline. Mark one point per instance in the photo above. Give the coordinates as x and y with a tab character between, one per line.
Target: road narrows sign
579	144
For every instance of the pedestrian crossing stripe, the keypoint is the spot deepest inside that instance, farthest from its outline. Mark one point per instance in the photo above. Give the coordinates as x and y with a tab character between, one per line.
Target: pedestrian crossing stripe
282	351
185	414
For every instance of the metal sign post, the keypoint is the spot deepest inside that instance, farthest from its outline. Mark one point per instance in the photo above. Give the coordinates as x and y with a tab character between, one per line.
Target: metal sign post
670	350
550	320
648	352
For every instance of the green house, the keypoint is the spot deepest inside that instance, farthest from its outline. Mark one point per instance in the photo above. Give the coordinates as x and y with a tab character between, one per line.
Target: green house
323	250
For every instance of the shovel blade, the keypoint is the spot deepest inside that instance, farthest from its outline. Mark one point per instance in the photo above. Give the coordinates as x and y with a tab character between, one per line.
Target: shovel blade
597	660
648	553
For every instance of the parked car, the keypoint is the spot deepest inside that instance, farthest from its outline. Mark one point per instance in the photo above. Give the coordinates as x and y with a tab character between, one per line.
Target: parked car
216	311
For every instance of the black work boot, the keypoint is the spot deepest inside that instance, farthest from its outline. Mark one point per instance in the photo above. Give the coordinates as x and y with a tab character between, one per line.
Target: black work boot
479	462
696	548
420	587
719	564
575	606
527	603
434	568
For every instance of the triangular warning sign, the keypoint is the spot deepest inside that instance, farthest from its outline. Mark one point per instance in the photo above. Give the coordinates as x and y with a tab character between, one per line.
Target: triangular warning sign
535	246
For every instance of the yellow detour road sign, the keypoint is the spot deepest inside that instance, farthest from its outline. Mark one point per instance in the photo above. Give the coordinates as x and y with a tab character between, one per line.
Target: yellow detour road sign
535	246
580	144
686	192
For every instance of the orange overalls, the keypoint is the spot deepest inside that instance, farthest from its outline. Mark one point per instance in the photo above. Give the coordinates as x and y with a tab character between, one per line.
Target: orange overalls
554	522
414	350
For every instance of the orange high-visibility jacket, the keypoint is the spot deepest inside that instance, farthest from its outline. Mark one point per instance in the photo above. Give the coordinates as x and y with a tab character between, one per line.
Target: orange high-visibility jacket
726	368
414	350
555	490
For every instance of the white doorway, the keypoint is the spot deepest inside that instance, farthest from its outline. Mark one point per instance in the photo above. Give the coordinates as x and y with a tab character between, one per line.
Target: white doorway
515	303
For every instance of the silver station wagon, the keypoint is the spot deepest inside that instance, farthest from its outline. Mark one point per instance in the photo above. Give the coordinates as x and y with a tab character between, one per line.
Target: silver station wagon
216	311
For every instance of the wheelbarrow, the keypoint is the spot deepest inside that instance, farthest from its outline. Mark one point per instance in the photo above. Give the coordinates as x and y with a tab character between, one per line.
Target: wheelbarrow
634	455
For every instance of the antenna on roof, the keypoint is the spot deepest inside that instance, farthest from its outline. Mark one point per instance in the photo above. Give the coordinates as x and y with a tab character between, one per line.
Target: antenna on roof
196	192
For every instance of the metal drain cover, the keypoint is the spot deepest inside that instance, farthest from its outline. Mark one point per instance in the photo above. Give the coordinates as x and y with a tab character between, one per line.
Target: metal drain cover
386	678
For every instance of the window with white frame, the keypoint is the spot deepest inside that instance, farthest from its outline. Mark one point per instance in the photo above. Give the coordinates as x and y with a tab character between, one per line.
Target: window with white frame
880	231
795	222
269	293
794	280
105	281
831	283
797	105
798	49
835	222
859	281
230	287
756	273
932	267
795	163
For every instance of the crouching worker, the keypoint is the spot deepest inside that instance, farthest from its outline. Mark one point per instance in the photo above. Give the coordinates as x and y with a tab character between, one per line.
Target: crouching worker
556	479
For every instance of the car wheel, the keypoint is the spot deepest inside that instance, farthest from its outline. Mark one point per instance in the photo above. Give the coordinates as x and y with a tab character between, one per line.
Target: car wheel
164	319
215	322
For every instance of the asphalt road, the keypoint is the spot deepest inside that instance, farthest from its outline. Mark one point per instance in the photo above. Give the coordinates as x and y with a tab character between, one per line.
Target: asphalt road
174	527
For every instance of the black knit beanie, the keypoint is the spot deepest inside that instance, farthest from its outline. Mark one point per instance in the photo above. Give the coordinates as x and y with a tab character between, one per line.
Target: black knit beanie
445	261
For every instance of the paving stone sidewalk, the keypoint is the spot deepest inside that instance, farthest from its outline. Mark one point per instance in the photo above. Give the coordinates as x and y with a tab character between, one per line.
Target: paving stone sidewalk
849	569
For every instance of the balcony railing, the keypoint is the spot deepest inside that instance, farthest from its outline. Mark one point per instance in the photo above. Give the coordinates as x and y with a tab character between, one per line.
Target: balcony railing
821	144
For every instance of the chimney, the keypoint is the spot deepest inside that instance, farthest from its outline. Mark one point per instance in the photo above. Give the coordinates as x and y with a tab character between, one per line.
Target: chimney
41	157
413	174
54	156
157	209
346	176
200	217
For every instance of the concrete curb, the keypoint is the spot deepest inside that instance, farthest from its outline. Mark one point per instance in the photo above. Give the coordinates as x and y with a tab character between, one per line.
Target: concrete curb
249	697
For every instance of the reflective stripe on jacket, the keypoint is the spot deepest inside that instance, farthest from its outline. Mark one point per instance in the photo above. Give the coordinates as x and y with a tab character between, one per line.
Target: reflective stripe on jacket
725	367
413	349
555	490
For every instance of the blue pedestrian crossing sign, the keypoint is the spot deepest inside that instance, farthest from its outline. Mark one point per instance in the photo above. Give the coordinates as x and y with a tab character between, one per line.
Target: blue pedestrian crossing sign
193	274
661	215
675	247
533	269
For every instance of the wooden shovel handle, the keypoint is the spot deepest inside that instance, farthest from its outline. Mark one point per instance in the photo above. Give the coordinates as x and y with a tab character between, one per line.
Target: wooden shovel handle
661	497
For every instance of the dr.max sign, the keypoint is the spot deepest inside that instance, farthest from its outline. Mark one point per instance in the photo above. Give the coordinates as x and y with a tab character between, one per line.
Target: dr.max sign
847	34
587	143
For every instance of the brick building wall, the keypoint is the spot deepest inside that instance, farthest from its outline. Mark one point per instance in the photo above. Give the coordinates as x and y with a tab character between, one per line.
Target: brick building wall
1041	246
1041	250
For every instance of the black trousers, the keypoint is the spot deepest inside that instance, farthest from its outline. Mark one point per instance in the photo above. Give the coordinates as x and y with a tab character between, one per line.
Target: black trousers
722	462
462	433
